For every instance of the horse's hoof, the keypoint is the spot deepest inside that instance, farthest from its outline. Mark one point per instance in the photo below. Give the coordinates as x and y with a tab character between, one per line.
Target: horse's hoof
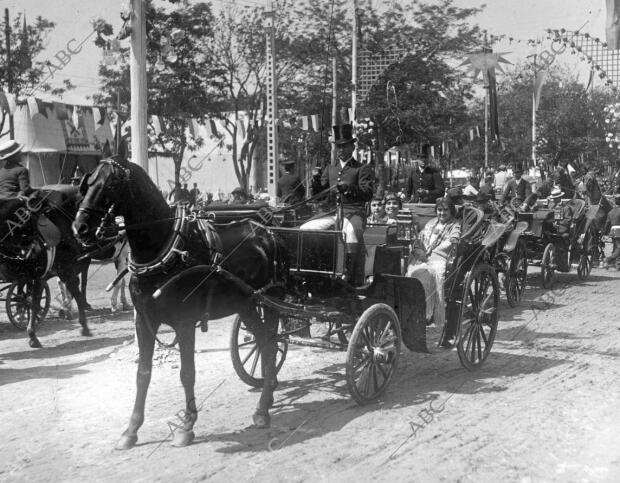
182	438
126	442
34	343
261	420
86	332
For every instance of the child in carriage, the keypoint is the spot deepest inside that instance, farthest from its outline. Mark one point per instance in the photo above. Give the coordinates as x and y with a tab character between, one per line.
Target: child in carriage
428	260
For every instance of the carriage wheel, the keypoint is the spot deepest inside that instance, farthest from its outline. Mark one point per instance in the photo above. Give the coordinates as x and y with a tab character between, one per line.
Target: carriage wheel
586	258
517	275
547	266
372	356
246	354
478	316
19	304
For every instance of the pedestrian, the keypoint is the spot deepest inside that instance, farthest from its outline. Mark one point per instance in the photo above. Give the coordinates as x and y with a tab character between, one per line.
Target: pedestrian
472	187
501	178
184	194
425	184
487	188
194	194
517	188
291	189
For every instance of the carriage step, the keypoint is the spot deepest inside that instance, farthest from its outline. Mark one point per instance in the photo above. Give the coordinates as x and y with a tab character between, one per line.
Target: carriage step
318	343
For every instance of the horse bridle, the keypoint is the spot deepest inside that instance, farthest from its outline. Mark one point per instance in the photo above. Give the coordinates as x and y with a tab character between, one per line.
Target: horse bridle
106	216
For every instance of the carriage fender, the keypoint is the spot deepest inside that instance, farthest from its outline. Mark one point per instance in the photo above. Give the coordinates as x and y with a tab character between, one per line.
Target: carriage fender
48	230
513	238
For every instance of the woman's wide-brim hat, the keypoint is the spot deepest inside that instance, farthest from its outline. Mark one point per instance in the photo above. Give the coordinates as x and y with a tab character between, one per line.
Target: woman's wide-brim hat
9	148
556	193
343	134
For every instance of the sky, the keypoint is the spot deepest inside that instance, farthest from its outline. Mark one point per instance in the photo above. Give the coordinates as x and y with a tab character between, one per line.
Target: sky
521	19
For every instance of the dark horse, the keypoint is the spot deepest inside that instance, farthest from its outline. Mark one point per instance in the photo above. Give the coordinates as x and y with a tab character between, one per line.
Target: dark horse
37	241
183	271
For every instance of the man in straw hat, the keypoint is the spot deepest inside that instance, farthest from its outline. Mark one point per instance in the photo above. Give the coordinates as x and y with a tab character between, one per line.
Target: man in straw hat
354	182
14	178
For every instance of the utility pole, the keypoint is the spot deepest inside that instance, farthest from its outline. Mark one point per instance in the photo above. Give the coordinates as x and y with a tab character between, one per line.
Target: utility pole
139	148
9	75
334	101
354	76
272	108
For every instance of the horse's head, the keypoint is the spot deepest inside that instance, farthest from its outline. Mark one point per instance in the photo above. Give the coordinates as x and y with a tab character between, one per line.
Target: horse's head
105	192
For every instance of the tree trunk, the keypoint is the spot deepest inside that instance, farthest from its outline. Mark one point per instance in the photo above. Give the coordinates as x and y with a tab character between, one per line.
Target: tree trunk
380	171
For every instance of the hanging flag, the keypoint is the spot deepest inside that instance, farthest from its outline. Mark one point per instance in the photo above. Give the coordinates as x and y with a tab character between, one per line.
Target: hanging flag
61	111
494	118
33	106
612	25
432	151
4	105
75	117
316	122
539	80
477	131
156	125
194	128
24	53
590	80
471	134
211	128
351	115
305	124
241	128
344	116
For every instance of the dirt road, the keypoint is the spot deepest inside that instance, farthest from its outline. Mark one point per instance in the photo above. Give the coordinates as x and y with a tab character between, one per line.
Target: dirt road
543	408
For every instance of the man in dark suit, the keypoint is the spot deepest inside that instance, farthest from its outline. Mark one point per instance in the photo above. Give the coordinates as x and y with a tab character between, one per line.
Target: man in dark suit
517	187
425	185
354	182
291	190
14	178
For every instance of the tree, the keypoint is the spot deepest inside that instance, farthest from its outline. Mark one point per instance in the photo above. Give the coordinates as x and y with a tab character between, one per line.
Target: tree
24	74
182	82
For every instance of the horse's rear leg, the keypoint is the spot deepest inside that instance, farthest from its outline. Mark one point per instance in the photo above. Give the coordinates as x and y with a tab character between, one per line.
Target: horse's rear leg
146	344
73	285
184	434
266	334
84	283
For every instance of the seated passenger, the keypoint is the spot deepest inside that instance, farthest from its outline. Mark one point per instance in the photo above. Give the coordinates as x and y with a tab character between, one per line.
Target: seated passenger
428	261
393	204
377	211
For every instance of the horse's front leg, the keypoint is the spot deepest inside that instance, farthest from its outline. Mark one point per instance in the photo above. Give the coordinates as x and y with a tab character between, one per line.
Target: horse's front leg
266	333
184	433
72	282
37	292
145	334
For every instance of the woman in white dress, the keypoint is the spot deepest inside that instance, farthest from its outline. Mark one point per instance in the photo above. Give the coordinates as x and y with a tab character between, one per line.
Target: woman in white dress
428	261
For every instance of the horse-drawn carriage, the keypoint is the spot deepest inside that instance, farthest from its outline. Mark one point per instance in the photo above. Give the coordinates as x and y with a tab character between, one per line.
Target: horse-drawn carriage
558	239
371	318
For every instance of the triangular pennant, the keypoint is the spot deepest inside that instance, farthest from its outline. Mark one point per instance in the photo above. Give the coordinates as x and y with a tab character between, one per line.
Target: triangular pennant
316	122
471	134
211	128
33	106
102	114
539	80
240	128
351	115
96	115
75	116
305	124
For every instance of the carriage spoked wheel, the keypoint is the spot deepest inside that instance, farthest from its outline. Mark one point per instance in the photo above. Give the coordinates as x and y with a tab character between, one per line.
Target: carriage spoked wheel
19	303
373	352
516	278
478	316
586	258
246	354
547	266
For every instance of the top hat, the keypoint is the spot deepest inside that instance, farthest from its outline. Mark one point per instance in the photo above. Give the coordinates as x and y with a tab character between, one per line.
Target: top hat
343	134
518	169
9	148
556	193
